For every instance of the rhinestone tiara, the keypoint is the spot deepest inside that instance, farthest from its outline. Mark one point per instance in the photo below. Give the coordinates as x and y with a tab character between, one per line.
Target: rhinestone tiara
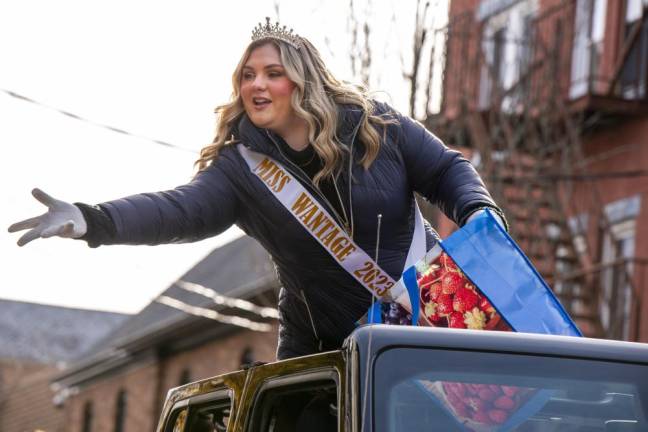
269	31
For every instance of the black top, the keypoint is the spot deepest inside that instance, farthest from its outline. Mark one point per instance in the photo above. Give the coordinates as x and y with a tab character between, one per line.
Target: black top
309	161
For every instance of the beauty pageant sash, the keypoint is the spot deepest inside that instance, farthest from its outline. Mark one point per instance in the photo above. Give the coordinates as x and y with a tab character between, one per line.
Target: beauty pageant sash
323	227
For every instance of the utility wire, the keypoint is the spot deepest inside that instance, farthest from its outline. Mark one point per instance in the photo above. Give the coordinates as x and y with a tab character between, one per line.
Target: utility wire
573	177
94	123
218	299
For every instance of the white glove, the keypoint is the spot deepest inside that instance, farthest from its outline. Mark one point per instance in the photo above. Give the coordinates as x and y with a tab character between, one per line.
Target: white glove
480	212
62	219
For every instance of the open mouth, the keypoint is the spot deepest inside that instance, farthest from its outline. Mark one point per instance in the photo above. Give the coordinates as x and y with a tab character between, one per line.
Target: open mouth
260	102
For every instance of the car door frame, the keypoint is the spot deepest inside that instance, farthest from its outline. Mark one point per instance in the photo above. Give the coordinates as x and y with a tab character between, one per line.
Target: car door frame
330	365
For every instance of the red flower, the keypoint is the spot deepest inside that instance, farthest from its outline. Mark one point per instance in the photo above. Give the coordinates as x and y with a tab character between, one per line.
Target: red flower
456	320
482	417
447	262
510	391
485	306
451	282
431	311
504	402
435	291
464	300
497	415
487	394
444	305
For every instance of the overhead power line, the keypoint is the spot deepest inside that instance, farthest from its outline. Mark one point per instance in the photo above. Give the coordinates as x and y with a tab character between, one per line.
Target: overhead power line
568	177
94	123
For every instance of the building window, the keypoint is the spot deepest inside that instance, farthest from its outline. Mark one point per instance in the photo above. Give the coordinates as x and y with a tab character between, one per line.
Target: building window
87	417
617	249
525	57
616	285
589	30
120	411
247	358
494	71
507	47
634	9
634	73
185	377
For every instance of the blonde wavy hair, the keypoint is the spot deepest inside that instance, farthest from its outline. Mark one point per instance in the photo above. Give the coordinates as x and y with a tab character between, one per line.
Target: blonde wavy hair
316	98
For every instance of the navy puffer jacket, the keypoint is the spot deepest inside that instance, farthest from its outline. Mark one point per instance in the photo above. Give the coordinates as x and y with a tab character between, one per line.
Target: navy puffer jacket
227	192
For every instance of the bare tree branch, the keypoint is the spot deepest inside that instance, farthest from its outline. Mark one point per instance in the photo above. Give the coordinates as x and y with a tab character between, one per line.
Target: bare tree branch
420	36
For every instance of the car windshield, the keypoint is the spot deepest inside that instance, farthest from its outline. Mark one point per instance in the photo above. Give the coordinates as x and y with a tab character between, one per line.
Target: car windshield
433	389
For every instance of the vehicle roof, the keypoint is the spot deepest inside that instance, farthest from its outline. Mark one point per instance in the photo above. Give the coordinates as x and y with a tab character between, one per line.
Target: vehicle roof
377	338
217	382
385	336
390	336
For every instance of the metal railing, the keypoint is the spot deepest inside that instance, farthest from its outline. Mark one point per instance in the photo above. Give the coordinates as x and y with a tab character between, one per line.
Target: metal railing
609	294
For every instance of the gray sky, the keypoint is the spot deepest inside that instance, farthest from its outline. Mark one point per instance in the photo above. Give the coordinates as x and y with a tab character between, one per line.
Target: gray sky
156	69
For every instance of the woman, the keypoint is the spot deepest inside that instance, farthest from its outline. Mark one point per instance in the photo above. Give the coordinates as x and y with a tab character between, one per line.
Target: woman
358	160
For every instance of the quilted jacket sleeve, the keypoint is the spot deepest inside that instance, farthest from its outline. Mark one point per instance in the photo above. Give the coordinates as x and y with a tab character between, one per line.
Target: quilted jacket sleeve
206	206
440	174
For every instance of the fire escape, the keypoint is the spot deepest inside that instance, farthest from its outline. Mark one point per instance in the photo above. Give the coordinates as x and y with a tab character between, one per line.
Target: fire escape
515	96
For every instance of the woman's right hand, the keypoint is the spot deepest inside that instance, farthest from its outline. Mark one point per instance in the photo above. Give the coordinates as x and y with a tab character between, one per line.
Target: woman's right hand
62	219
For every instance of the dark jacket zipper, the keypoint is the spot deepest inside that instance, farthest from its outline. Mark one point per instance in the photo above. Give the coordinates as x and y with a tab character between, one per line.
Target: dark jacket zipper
300	173
320	344
350	174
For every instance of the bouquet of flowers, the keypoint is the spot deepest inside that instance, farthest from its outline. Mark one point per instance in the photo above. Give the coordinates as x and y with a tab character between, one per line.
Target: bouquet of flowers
480	407
478	279
447	298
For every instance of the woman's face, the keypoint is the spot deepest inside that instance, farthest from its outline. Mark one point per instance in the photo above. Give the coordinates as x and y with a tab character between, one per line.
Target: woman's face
266	90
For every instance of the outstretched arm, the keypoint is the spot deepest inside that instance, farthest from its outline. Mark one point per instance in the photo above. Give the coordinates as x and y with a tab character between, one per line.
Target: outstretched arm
204	207
442	175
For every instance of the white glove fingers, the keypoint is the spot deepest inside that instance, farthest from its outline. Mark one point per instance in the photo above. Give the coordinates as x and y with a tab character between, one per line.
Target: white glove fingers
44	198
52	231
29	236
25	224
68	229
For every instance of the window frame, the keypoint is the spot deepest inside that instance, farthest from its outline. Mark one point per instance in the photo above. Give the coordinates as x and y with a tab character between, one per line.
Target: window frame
312	376
190	404
87	419
587	46
121	410
633	76
370	425
613	248
507	53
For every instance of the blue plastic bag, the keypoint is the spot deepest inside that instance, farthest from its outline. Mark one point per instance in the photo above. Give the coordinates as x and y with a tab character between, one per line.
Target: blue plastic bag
497	269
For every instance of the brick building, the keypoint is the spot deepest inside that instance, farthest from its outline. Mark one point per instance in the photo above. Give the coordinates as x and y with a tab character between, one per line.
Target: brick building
36	341
122	383
549	100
